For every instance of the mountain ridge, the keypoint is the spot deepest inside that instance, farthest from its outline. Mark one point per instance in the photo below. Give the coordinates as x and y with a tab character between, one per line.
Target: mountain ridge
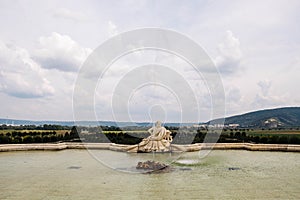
286	116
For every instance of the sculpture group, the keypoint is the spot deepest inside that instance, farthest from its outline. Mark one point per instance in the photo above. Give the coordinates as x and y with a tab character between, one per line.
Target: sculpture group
159	140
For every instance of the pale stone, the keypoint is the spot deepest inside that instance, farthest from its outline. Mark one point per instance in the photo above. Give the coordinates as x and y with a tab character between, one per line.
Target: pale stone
159	140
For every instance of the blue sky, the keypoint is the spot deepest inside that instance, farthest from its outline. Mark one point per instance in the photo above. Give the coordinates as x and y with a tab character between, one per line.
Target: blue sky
254	44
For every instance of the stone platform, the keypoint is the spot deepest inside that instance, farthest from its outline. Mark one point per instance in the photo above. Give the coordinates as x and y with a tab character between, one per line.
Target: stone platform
174	147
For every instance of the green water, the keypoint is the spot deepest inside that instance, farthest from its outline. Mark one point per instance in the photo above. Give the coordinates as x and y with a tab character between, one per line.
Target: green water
75	174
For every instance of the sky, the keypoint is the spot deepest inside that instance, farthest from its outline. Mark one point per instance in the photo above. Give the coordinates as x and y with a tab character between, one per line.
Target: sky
255	46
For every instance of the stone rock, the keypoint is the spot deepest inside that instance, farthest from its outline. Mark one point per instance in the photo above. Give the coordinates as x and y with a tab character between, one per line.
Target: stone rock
153	167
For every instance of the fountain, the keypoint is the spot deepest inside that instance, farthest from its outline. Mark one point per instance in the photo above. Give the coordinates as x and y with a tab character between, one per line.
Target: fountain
159	141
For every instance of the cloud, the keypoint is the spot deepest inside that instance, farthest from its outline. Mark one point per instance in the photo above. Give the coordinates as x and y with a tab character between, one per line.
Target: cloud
20	76
265	87
263	39
112	29
265	98
228	61
233	95
70	15
60	52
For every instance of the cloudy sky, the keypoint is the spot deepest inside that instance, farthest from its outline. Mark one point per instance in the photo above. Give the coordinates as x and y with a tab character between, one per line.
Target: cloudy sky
254	44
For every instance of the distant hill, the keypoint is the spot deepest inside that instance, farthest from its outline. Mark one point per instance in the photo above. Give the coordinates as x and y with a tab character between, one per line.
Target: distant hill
83	123
285	117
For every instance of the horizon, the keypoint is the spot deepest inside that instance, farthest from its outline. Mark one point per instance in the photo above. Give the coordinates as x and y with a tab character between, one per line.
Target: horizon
255	49
234	115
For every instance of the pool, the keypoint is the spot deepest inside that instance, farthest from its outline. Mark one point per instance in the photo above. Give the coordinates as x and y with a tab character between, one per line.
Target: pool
76	174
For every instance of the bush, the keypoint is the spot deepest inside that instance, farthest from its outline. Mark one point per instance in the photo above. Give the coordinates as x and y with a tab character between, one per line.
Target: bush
273	139
294	140
5	139
53	138
263	140
283	140
37	139
45	139
17	140
27	139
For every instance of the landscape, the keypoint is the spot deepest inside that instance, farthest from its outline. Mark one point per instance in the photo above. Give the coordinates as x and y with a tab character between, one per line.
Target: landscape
273	126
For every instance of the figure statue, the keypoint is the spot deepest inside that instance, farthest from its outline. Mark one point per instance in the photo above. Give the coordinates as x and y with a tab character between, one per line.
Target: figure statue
159	140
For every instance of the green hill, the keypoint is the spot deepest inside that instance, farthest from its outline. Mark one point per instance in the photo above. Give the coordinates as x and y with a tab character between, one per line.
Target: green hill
282	117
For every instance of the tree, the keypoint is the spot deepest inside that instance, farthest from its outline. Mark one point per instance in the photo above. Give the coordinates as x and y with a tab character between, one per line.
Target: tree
17	140
264	139
74	133
283	140
37	139
273	139
5	139
53	138
66	136
27	139
294	140
46	138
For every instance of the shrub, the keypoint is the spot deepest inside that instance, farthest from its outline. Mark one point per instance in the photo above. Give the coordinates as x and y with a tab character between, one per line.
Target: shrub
17	140
283	140
5	139
273	139
263	139
27	139
45	139
37	139
294	140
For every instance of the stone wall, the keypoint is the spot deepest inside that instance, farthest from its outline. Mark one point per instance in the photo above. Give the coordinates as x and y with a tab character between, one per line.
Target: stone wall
118	147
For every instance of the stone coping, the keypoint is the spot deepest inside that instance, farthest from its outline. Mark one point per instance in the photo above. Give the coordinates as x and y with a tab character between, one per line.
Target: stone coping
175	147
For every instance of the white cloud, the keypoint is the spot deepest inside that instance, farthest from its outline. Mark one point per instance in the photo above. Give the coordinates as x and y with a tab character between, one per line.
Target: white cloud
70	15
20	76
265	97
60	52
228	61
233	95
112	29
262	41
265	87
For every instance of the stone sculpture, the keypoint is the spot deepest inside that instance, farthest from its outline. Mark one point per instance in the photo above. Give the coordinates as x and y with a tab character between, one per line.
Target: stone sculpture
159	140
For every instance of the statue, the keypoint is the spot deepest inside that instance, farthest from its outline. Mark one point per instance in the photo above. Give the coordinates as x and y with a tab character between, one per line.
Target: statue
159	140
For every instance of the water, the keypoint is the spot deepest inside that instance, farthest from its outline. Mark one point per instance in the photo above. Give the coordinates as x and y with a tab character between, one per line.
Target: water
75	174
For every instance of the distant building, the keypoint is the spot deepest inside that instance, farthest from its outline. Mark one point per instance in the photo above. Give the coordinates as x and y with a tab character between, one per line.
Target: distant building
233	126
272	123
84	132
200	126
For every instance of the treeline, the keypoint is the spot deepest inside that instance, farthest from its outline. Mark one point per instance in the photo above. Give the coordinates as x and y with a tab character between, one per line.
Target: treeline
118	138
237	137
116	135
193	137
37	136
34	127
